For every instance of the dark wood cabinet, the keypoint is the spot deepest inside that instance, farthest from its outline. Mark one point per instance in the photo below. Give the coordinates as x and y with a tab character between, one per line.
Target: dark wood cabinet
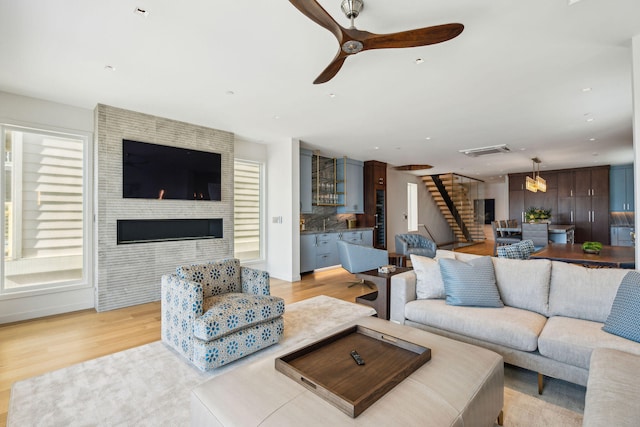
375	201
575	196
592	205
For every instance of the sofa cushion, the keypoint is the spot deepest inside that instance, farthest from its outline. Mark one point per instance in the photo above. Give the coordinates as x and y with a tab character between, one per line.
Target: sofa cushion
443	253
470	283
428	278
524	283
624	319
583	293
611	391
508	326
219	277
571	341
465	257
231	312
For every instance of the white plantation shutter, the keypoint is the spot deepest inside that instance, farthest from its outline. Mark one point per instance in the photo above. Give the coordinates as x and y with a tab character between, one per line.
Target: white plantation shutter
247	210
51	196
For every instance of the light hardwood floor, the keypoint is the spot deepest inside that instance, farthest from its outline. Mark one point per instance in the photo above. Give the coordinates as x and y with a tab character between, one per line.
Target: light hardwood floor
37	346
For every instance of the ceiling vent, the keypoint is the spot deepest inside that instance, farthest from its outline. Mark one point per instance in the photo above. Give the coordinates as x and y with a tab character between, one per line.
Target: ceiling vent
494	149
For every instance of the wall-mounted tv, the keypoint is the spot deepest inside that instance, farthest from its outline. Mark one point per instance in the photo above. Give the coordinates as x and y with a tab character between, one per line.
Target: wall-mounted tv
152	171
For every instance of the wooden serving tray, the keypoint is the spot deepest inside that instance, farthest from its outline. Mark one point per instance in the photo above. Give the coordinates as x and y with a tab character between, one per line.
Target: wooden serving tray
328	370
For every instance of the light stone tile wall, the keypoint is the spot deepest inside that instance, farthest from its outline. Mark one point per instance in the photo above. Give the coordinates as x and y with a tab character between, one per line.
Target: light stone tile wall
130	274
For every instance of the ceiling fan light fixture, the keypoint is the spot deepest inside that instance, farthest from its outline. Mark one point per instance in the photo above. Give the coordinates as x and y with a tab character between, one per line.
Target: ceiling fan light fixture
352	47
352	8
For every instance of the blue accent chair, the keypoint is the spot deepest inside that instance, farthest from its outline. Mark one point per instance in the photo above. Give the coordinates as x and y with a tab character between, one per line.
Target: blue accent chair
358	258
417	244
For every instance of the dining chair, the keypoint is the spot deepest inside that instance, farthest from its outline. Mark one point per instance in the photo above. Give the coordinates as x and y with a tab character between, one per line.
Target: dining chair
537	232
510	223
499	240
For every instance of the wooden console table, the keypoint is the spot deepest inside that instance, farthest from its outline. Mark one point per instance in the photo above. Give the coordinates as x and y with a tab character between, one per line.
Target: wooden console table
379	299
610	256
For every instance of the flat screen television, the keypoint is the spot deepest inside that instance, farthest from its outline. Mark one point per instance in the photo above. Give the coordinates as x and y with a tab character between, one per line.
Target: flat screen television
152	171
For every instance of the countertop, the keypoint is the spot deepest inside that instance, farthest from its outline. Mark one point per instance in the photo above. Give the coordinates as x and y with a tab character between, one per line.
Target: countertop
336	230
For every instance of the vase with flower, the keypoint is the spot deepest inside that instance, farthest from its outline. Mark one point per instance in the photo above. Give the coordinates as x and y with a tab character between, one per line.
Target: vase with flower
534	215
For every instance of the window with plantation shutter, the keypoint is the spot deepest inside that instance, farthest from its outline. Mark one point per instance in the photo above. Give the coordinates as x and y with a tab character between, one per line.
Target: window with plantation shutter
44	209
247	212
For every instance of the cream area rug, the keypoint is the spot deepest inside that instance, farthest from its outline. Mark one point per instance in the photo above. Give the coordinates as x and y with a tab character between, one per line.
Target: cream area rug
150	385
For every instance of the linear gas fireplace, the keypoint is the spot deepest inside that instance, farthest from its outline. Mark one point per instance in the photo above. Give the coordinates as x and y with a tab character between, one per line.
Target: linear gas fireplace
159	230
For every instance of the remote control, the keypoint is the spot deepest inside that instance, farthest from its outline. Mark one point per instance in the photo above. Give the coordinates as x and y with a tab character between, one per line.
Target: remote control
357	357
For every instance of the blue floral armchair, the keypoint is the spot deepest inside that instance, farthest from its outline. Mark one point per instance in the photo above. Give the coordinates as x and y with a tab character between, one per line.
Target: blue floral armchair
218	312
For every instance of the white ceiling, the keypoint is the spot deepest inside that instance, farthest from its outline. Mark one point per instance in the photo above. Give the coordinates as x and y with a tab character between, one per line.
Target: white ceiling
514	76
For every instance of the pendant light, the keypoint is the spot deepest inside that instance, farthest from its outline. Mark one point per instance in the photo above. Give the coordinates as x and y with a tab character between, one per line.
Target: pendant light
536	183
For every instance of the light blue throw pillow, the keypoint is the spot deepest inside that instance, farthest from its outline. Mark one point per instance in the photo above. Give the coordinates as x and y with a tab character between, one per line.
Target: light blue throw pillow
471	283
624	318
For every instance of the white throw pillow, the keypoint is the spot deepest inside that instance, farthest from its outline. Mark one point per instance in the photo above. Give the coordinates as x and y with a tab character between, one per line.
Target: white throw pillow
429	284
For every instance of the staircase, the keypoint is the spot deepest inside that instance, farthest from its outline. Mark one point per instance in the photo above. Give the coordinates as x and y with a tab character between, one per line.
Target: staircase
452	195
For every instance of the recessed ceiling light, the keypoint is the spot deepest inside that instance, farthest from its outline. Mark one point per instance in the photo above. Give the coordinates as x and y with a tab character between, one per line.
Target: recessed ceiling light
276	117
332	95
109	68
428	138
572	2
592	139
376	148
590	119
419	61
142	12
586	89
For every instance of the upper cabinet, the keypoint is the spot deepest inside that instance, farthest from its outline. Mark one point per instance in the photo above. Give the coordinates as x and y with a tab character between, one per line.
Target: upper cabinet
306	171
621	188
350	186
326	181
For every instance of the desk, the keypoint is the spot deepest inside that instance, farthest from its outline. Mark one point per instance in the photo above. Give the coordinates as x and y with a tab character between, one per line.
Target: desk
610	256
380	299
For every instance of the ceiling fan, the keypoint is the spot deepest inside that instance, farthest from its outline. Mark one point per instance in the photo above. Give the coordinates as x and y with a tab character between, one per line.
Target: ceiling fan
352	40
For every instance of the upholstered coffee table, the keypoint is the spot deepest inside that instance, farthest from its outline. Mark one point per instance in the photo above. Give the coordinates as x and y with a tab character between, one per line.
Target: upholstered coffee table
460	385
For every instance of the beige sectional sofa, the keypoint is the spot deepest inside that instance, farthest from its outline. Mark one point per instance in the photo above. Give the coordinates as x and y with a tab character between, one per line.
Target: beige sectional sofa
551	320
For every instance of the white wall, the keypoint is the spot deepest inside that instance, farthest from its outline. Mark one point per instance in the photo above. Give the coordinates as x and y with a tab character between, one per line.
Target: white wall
428	212
499	192
22	110
283	203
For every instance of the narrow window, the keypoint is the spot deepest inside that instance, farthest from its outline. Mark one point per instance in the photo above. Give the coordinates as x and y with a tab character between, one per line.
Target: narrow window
247	211
412	207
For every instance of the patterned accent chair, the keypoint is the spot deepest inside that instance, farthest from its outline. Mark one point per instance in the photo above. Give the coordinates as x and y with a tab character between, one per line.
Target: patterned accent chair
218	312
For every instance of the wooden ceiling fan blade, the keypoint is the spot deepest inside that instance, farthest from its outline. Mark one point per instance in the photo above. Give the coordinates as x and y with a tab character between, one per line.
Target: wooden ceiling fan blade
414	38
332	69
315	12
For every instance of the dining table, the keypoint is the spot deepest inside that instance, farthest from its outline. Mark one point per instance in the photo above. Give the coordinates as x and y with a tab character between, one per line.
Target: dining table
609	256
558	233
